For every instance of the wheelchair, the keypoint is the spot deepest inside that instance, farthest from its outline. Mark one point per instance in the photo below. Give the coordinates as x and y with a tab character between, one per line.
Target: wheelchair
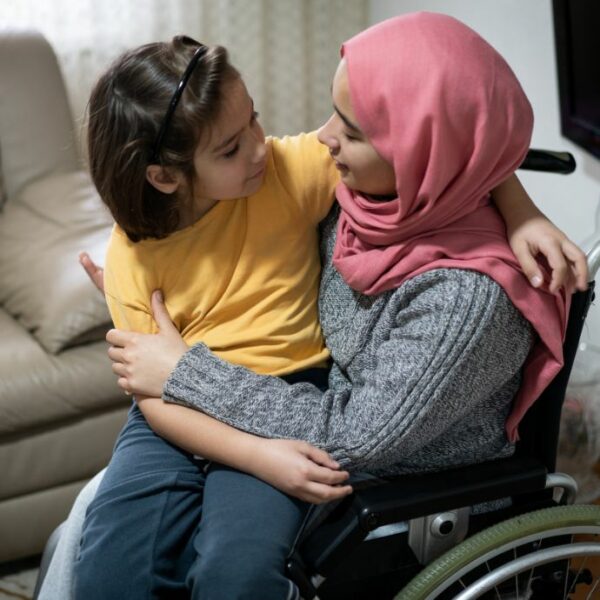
418	537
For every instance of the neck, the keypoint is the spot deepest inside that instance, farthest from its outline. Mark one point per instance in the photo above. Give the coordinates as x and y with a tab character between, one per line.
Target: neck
381	197
190	214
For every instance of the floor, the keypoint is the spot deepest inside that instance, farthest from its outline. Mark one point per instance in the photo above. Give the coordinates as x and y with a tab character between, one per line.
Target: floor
17	580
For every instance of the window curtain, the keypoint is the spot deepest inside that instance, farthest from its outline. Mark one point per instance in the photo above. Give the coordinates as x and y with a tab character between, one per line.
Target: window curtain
286	50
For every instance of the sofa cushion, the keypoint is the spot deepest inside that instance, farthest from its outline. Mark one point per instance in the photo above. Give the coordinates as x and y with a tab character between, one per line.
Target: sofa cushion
38	389
42	285
2	192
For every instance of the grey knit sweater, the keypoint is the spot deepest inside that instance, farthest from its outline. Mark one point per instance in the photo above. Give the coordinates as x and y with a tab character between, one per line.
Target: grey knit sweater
423	376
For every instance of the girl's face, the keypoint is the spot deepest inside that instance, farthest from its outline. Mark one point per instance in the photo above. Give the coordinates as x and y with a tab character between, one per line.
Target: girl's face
360	166
231	162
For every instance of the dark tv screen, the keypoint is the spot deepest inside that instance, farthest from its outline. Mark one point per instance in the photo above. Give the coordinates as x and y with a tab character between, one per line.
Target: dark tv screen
577	36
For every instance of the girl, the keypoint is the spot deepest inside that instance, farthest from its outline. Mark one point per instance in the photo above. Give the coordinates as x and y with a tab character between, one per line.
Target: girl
172	128
230	512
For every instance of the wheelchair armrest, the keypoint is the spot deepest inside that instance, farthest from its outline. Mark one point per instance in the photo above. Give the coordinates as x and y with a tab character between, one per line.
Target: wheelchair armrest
549	162
411	496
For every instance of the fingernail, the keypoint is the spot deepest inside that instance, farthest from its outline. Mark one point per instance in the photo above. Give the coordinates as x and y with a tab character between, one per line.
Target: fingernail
536	281
159	296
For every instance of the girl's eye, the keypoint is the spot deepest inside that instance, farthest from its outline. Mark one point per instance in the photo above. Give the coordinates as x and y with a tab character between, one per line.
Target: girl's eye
255	115
350	137
232	152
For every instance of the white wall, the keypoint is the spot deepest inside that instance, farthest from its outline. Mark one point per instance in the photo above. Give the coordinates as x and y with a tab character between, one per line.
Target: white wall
523	33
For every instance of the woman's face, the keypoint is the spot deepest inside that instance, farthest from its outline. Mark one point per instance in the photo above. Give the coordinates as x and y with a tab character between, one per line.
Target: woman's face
360	166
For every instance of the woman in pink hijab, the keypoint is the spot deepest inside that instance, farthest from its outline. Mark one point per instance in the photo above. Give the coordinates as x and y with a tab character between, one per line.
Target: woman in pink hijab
439	343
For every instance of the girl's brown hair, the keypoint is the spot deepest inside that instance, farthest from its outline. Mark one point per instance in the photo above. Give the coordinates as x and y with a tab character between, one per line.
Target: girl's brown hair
126	109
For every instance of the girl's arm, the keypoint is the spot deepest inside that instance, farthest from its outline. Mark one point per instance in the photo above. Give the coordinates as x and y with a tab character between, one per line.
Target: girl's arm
530	233
292	466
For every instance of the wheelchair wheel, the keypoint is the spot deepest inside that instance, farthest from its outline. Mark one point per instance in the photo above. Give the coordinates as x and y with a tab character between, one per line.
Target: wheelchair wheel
542	555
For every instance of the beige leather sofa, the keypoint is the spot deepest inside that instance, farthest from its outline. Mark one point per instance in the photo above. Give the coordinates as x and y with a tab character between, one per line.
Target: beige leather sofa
60	408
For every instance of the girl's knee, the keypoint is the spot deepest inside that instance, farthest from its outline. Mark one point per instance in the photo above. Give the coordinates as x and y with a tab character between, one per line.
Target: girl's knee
238	571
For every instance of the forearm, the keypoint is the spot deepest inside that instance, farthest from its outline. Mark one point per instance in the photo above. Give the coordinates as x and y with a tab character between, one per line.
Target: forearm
200	434
514	202
399	406
262	405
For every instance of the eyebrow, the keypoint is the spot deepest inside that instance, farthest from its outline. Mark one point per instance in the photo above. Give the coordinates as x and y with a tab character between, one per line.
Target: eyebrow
347	121
226	143
230	139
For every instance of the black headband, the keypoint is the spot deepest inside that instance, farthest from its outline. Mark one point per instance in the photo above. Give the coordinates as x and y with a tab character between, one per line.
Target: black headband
200	52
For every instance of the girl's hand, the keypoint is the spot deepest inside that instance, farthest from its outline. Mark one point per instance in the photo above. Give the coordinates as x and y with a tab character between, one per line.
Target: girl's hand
94	272
300	470
144	362
538	235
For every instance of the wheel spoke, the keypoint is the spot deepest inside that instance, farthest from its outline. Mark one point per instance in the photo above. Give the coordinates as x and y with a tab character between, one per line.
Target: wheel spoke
592	590
565	592
574	582
529	579
487	566
517	575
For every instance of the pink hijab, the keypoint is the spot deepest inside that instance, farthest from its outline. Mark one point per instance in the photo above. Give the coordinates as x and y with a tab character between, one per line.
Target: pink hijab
444	108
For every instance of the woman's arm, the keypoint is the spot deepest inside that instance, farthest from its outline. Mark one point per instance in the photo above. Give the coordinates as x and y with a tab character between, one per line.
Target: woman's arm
420	381
530	233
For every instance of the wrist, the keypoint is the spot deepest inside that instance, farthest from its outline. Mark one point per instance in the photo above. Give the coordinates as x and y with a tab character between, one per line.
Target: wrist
252	455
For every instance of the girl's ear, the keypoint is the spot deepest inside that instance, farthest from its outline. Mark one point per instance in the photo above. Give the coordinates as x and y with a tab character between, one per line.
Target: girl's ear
162	179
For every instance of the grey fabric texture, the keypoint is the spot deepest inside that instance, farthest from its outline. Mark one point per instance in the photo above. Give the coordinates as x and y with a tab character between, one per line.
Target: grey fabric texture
423	376
58	580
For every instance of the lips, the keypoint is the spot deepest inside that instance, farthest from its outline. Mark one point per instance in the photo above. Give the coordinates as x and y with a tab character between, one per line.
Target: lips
341	167
258	173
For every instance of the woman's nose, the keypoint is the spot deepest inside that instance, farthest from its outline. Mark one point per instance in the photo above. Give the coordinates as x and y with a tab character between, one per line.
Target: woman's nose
326	135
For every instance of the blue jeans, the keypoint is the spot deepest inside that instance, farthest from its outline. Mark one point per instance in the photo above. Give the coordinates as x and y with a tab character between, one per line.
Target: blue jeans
166	525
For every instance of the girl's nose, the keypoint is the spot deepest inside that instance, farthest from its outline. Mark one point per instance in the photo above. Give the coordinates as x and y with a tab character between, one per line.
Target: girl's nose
260	149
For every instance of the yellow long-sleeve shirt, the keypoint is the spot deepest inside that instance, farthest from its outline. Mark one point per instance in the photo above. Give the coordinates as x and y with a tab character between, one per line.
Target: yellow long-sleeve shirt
244	278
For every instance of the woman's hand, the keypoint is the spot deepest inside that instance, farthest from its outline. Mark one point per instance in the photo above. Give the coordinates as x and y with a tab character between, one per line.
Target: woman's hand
94	272
300	470
538	235
144	362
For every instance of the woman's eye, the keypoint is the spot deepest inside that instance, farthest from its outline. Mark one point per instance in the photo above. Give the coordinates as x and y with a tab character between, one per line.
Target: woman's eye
232	152
350	137
255	115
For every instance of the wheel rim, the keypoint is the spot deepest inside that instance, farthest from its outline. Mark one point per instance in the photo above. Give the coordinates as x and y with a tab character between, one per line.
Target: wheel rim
518	536
528	563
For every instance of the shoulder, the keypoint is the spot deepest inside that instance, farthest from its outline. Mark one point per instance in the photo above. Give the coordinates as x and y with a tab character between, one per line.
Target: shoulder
296	147
303	167
122	254
468	302
129	269
296	158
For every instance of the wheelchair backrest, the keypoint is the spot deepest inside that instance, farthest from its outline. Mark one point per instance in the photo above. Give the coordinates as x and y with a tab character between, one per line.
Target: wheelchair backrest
540	427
